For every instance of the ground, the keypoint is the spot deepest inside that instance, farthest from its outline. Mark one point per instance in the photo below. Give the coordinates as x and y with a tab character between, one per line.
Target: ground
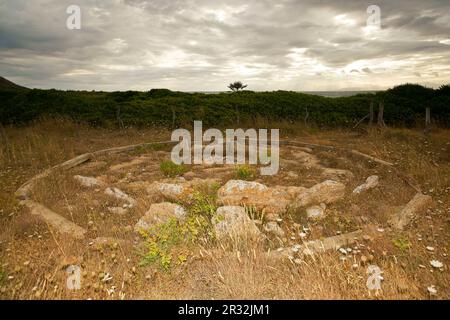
34	256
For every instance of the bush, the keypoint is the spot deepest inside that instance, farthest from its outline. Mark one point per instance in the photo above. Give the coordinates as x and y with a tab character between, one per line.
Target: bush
404	105
245	172
171	169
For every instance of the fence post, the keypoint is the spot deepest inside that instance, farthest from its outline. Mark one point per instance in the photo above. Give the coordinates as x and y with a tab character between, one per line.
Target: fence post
237	113
427	120
305	120
4	137
380	115
371	113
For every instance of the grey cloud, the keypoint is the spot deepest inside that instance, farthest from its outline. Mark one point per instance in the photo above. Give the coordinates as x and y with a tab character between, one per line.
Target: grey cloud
203	44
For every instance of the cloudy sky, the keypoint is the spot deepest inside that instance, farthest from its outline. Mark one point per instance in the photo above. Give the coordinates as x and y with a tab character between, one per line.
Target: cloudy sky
202	45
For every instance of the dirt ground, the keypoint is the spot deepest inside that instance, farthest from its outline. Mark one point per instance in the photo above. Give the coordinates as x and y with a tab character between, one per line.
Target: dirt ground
34	256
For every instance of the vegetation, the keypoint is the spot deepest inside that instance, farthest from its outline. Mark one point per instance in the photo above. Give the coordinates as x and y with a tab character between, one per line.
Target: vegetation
404	106
2	275
245	172
402	243
171	169
211	272
164	242
236	86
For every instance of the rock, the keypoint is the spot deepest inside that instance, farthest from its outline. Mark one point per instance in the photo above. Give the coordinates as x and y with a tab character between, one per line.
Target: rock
327	192
292	191
126	165
417	205
254	194
88	181
432	290
306	149
160	213
336	174
292	175
119	194
316	212
436	264
68	261
180	190
281	253
274	228
306	159
171	191
233	223
371	182
55	220
330	243
118	210
272	217
100	243
189	175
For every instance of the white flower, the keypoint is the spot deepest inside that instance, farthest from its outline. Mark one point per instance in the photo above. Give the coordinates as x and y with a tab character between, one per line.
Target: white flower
436	264
432	290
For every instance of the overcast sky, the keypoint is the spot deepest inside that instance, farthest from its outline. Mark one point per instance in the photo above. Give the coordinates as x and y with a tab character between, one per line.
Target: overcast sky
204	45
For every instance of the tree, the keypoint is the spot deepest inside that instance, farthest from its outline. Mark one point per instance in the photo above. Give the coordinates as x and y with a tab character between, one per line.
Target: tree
236	86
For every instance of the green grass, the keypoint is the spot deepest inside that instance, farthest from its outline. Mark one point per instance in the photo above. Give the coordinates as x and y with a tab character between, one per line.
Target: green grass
245	172
402	243
163	241
170	169
203	205
3	275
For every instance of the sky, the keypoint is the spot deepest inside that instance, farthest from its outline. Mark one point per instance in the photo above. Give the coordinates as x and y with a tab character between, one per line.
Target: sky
203	45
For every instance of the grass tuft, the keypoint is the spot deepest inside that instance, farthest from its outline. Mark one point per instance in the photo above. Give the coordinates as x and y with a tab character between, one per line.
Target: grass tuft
245	172
170	169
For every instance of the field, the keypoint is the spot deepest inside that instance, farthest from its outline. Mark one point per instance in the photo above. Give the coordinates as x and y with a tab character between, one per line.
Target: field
187	260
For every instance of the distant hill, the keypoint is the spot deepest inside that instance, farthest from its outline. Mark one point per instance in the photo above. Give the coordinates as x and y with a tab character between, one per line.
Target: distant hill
5	84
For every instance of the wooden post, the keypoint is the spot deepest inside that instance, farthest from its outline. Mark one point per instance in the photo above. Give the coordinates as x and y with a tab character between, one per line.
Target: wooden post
427	120
306	117
119	119
173	117
380	115
4	137
371	113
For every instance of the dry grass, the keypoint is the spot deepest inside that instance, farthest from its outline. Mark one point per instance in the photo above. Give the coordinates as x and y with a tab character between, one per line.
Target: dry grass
32	253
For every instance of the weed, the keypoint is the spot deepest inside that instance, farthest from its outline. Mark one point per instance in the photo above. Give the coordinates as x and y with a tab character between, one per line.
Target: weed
171	169
245	172
161	240
402	243
2	275
203	205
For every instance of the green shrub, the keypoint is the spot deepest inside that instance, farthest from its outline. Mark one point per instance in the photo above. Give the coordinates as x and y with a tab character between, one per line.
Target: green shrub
162	240
245	172
171	169
402	243
3	275
404	105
